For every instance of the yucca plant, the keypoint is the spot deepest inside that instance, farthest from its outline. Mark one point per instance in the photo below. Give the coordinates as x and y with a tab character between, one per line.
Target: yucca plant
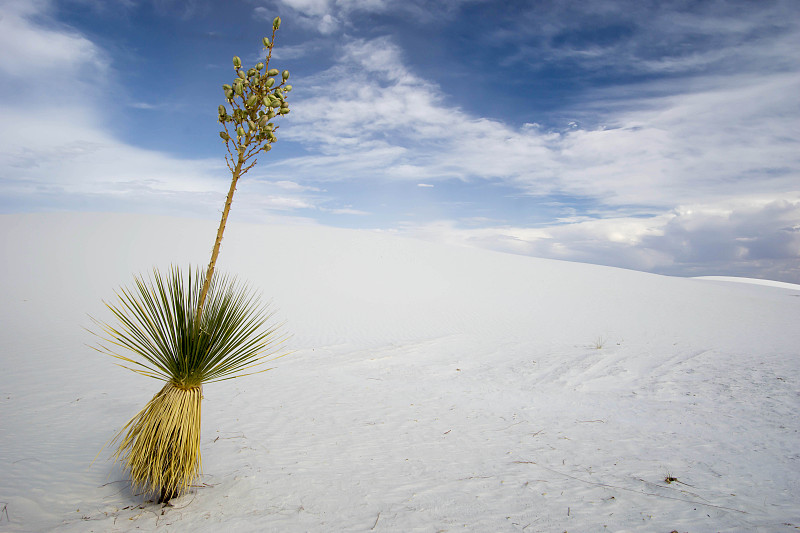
196	328
158	323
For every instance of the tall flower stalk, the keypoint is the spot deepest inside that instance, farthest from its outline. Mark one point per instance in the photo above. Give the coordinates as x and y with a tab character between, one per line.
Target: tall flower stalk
196	328
254	100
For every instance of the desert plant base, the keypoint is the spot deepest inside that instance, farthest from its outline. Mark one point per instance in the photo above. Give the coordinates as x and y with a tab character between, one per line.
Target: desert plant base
161	448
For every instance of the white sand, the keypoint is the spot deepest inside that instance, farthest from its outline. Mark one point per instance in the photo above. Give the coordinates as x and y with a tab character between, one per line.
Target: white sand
432	389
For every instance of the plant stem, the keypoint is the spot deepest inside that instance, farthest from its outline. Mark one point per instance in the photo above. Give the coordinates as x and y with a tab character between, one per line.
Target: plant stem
215	252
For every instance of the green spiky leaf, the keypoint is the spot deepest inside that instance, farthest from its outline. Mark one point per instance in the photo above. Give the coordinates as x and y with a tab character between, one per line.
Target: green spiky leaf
158	336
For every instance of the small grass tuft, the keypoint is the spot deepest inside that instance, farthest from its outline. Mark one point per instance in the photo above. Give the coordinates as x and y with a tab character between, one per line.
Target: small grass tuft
599	342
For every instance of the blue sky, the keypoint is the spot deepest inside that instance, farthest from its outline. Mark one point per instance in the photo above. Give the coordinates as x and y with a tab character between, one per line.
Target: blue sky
659	136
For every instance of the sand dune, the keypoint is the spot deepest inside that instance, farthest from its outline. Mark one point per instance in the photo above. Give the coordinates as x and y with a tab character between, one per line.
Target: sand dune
431	389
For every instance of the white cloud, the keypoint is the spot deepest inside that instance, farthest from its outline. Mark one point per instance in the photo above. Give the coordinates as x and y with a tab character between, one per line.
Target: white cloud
732	140
281	202
327	15
662	151
25	48
347	211
332	16
747	237
641	37
314	14
295	187
63	151
310	7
